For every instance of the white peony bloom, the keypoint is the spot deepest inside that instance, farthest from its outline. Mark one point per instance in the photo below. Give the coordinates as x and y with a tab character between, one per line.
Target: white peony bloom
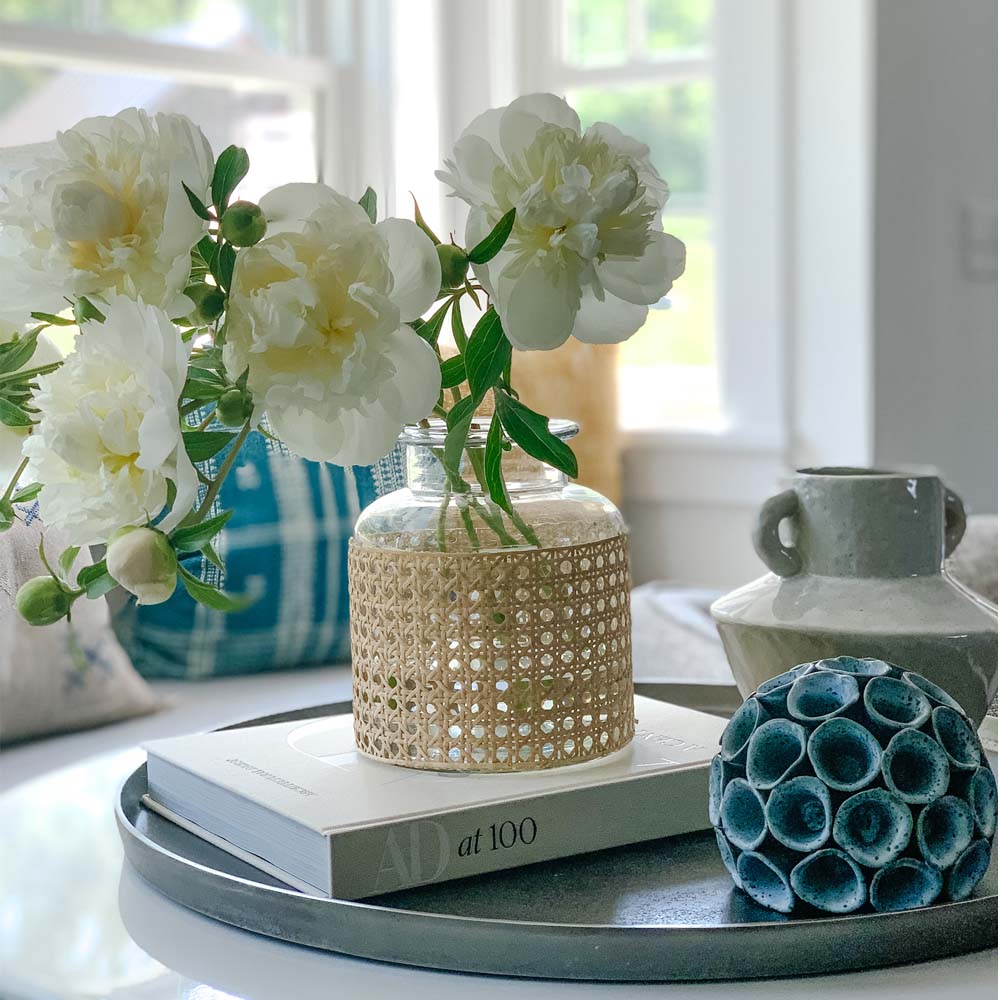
588	254
109	437
100	211
317	313
12	438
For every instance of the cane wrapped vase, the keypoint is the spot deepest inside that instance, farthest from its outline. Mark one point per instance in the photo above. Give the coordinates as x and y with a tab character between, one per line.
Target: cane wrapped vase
487	640
850	783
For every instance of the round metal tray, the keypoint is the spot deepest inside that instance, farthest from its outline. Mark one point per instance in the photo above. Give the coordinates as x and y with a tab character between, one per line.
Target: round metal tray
660	911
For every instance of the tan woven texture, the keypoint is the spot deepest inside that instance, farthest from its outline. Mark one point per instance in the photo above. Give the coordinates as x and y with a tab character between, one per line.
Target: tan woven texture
499	661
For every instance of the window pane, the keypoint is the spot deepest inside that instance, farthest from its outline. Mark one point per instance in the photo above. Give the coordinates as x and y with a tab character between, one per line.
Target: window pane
596	32
667	370
246	25
275	127
677	25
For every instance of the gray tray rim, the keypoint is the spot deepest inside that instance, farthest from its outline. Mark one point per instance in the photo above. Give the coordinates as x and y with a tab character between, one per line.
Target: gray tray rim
553	950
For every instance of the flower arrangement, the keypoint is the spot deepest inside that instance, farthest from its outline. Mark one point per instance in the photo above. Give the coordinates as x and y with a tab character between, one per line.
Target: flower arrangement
202	318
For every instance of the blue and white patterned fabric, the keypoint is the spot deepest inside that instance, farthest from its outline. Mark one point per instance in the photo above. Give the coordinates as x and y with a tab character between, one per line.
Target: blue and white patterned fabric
286	544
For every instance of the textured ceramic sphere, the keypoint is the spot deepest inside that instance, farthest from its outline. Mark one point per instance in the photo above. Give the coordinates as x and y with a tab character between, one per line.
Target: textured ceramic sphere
848	783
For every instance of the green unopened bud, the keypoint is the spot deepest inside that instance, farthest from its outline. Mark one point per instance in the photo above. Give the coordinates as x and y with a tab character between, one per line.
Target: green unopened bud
42	601
143	562
234	408
209	301
454	265
244	224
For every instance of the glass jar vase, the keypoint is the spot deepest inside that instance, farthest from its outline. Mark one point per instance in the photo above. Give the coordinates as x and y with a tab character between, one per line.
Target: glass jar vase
488	640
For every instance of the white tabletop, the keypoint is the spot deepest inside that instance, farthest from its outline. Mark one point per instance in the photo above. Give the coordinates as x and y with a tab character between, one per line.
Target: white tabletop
76	922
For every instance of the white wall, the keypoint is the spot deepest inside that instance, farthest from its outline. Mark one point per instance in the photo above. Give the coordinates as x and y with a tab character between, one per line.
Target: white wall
935	288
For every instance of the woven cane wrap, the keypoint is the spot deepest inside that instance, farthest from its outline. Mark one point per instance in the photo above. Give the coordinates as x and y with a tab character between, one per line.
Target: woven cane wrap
500	661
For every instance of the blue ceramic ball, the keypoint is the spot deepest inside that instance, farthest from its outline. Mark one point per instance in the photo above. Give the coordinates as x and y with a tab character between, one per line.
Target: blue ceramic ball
848	783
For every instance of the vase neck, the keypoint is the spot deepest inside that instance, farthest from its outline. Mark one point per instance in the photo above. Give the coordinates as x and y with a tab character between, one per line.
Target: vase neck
425	471
862	523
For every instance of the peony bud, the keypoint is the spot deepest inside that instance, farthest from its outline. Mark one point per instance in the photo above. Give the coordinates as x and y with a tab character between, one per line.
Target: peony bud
42	601
234	408
208	300
243	224
142	561
454	265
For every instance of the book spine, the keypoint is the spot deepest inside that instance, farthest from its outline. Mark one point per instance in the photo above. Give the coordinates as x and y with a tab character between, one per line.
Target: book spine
368	862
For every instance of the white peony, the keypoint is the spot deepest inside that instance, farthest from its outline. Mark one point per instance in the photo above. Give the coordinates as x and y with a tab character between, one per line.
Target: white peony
588	254
12	438
109	436
101	210
317	314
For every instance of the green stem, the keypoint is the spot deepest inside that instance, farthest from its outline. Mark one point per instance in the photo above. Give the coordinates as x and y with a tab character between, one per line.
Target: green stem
199	515
442	536
476	460
12	485
524	527
206	421
470	528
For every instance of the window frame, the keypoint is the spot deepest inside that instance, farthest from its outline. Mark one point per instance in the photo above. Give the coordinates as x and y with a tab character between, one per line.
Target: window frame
747	45
340	58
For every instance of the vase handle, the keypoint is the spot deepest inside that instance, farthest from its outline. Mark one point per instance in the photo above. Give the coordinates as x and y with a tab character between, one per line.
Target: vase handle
779	558
954	521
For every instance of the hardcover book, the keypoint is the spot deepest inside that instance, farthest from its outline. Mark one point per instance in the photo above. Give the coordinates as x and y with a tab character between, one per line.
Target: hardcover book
297	800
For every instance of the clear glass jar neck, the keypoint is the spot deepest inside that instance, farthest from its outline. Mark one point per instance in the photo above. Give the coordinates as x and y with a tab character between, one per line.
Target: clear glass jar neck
425	471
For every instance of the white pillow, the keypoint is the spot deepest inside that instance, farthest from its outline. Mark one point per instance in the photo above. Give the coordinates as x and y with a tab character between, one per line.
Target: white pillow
55	678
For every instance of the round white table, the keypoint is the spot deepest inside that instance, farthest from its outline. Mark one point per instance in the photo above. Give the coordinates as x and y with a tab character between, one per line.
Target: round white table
75	922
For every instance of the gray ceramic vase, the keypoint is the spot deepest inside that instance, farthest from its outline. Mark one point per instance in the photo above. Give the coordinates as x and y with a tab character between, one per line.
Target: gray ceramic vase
863	576
849	783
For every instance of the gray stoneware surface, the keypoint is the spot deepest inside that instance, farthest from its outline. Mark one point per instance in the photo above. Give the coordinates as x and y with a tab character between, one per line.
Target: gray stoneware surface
662	911
862	576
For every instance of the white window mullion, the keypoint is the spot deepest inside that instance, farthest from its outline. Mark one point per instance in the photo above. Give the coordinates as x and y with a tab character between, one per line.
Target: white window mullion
114	53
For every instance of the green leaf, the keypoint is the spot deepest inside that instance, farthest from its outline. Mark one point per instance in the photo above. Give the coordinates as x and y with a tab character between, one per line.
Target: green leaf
196	203
17	353
203	389
195	537
230	168
531	431
369	202
487	355
205	594
206	250
96	580
27	494
84	311
67	559
458	420
53	320
431	329
201	445
492	465
486	250
171	493
7	516
223	271
452	372
14	416
458	328
418	218
212	556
